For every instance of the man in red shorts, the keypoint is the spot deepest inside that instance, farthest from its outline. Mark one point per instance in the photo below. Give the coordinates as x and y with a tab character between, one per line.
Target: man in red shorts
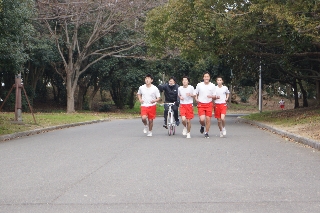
148	95
281	103
185	93
204	93
220	108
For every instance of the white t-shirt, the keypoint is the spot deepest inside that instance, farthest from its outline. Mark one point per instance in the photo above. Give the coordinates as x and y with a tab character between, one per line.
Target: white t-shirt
222	92
183	91
203	90
148	94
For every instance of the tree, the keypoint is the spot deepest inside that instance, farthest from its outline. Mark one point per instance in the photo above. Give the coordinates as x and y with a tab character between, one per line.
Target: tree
78	26
15	32
214	29
304	17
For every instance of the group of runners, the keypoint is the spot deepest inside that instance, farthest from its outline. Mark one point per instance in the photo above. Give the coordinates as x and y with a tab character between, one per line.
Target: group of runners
209	98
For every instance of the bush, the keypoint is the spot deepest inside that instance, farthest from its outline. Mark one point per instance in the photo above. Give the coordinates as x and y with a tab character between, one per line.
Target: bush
105	108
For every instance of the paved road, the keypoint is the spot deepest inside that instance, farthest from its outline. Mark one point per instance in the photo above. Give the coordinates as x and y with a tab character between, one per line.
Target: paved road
114	167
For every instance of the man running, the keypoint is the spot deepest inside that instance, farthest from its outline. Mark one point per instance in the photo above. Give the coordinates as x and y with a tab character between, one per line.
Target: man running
148	95
204	93
185	93
220	107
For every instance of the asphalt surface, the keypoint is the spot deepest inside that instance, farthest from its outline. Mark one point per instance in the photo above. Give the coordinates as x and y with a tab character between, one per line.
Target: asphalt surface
114	167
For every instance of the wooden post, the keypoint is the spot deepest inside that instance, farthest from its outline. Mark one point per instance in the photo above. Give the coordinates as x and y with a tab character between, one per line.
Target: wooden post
18	104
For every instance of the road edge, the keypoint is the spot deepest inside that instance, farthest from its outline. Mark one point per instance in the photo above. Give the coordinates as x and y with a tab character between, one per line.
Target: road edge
46	129
297	138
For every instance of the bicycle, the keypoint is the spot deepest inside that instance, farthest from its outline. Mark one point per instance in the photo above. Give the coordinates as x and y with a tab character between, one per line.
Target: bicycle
171	123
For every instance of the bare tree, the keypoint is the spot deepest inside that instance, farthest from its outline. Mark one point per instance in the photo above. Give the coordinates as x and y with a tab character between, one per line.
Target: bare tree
79	26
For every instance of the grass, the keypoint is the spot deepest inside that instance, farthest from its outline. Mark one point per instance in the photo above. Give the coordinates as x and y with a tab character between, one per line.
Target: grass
288	117
242	108
52	119
58	117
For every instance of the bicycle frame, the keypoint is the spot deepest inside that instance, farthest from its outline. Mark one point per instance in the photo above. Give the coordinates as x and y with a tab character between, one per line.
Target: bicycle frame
170	120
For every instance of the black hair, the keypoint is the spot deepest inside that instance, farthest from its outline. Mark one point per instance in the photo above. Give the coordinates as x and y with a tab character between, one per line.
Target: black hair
206	73
219	76
186	78
150	76
173	78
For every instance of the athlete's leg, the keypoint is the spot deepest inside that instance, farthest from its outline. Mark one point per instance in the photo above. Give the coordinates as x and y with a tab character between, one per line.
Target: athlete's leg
208	123
150	124
144	119
223	120
202	120
219	123
184	120
188	125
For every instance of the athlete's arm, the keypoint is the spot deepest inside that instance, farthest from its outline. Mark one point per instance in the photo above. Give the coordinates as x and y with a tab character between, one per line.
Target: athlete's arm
140	98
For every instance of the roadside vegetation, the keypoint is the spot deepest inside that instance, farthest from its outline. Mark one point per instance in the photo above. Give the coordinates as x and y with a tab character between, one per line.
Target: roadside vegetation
58	117
303	121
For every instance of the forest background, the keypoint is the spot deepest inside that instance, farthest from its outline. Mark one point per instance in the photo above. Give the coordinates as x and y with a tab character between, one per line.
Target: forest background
93	54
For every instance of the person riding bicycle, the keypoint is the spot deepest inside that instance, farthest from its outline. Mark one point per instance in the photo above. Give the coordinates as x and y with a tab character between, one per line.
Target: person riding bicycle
170	90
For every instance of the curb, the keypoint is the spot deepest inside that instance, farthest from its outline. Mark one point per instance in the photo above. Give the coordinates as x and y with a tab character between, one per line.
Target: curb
297	138
46	129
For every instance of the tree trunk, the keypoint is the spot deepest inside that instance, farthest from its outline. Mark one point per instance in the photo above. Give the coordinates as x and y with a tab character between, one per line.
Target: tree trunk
318	92
116	94
295	92
70	95
304	94
132	98
94	92
83	85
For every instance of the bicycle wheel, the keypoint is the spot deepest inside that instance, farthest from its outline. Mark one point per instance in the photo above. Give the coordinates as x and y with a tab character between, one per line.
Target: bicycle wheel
169	123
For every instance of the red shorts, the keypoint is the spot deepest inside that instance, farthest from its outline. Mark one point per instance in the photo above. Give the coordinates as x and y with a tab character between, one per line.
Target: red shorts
281	106
205	109
220	109
186	110
149	111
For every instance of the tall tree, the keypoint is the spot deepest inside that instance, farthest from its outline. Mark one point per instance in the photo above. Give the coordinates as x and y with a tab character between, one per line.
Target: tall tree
77	26
15	32
276	32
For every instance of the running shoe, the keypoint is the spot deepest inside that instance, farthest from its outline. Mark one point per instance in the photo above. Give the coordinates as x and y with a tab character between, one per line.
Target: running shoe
184	131
224	131
201	129
177	123
206	135
145	129
188	135
221	134
165	126
149	134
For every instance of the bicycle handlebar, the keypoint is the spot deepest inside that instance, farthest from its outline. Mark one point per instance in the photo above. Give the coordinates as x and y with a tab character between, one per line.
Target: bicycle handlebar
170	104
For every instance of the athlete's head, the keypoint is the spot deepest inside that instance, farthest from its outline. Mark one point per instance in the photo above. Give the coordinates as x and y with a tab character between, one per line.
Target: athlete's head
185	80
219	80
206	77
148	79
